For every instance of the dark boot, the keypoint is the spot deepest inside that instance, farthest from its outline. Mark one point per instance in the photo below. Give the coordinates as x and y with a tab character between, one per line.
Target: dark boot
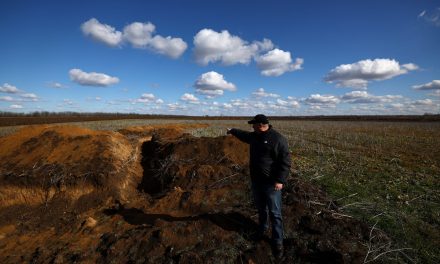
278	251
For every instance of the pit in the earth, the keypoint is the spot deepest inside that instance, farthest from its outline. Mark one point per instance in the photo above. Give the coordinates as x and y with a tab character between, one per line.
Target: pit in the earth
172	199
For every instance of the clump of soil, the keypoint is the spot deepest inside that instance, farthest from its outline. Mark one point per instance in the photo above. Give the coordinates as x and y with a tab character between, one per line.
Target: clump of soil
153	195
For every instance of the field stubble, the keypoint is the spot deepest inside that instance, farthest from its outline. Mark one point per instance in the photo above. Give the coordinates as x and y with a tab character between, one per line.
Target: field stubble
384	173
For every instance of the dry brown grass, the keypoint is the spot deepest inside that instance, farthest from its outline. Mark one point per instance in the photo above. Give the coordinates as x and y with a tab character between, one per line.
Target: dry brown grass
384	172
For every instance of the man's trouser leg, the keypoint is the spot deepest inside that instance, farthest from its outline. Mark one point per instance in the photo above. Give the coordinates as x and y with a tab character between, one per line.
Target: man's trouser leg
274	204
259	196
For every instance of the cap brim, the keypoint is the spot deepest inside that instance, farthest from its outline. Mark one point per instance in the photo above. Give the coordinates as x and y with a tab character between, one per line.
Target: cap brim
258	122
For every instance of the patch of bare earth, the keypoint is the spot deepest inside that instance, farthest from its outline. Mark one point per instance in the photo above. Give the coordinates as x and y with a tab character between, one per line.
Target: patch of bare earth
153	194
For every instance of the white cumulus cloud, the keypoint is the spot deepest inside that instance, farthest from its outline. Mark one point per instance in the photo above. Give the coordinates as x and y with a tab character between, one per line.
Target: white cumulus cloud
358	74
140	35
92	78
16	106
434	85
29	96
213	84
6	98
317	99
241	104
189	98
146	98
277	62
288	103
7	88
227	105
171	47
355	95
176	106
436	93
362	97
423	102
102	32
56	85
212	46
261	93
260	105
292	102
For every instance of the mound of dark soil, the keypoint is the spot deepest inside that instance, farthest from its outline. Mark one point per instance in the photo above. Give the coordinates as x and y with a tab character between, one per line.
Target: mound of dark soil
172	199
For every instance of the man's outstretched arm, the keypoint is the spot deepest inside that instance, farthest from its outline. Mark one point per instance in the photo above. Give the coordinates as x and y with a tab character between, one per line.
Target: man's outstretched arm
242	135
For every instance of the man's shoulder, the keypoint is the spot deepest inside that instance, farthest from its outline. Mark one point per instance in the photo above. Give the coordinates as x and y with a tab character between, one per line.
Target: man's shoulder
278	138
277	134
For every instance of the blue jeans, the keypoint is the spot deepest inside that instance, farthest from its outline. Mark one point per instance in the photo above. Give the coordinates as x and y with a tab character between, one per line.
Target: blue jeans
268	203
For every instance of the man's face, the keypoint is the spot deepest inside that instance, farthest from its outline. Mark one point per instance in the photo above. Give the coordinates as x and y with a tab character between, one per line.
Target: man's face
259	127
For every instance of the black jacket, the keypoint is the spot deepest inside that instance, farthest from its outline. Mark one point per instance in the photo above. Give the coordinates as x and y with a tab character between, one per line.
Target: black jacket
269	160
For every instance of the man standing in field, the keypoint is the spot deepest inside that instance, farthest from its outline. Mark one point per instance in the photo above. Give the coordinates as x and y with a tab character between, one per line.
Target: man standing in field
269	164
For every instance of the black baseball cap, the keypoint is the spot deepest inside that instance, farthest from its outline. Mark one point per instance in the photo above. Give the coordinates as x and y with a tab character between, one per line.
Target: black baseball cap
259	119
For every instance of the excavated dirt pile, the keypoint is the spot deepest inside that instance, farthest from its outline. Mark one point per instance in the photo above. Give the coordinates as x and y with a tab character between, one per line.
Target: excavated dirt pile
153	195
39	162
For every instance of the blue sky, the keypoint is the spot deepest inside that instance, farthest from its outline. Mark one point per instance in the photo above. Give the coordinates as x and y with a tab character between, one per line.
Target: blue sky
221	57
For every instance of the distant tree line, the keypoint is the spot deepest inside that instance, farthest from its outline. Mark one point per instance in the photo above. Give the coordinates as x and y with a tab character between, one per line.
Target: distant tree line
66	113
41	117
